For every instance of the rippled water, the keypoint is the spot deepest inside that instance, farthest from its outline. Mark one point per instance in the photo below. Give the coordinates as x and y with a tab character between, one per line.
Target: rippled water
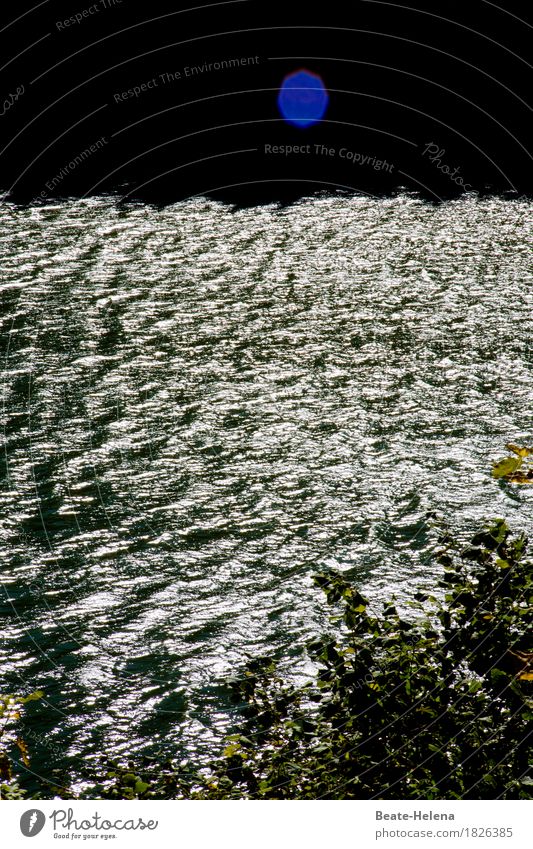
201	406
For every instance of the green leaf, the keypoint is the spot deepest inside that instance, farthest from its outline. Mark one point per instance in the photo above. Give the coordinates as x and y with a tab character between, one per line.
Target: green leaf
520	451
232	750
506	467
33	697
141	787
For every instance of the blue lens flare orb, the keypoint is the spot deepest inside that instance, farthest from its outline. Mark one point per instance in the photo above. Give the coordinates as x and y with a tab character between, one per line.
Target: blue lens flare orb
302	98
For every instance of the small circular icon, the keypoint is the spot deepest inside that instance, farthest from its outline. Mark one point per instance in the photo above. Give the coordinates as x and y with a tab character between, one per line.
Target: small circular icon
32	822
303	98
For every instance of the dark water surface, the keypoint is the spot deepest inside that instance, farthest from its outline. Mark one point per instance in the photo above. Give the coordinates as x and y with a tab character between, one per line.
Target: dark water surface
200	407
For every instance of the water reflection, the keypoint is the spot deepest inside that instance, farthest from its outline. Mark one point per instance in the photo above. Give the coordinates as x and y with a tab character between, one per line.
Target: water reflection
201	406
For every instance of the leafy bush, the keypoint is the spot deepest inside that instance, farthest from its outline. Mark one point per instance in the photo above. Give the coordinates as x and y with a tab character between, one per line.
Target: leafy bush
434	707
